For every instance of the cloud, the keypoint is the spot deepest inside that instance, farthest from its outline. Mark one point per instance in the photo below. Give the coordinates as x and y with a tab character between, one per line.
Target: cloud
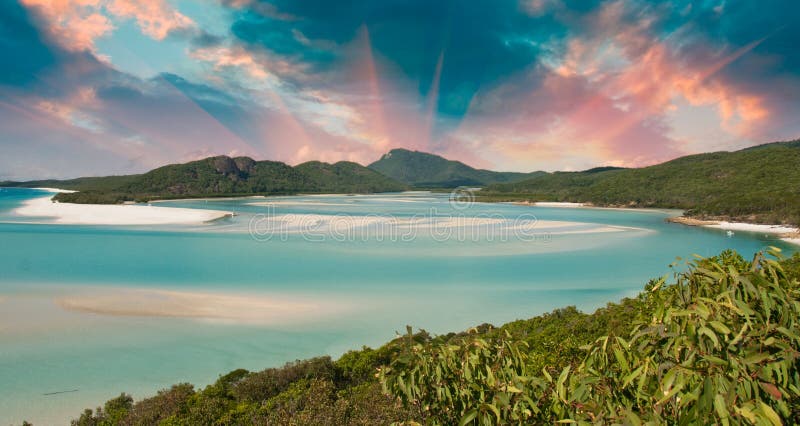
607	93
508	84
156	18
482	41
75	24
25	51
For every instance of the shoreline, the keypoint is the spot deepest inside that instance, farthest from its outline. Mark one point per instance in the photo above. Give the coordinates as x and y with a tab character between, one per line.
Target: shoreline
569	205
56	190
54	212
785	233
788	234
244	197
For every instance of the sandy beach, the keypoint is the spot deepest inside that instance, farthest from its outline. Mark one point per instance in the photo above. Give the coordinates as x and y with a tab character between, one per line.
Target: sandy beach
558	204
255	309
56	190
785	233
101	214
549	204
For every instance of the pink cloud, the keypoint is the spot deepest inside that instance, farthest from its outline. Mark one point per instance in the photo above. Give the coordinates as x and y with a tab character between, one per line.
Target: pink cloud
77	24
564	123
607	98
156	18
74	24
257	65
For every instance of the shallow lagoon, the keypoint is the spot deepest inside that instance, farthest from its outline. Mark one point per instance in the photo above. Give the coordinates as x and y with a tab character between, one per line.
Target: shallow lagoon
362	280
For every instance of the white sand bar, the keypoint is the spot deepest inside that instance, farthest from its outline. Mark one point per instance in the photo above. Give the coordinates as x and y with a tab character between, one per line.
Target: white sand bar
55	190
557	204
787	233
752	227
101	214
257	309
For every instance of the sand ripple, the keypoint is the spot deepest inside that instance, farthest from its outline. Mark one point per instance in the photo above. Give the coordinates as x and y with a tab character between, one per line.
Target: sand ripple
215	306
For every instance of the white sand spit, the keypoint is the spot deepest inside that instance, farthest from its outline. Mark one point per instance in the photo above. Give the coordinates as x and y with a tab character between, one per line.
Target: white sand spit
786	233
752	227
296	203
55	190
557	204
95	214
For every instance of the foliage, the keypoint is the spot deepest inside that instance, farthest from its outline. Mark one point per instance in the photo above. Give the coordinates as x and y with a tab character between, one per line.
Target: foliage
755	184
718	346
102	183
110	414
480	381
424	170
317	391
721	347
222	176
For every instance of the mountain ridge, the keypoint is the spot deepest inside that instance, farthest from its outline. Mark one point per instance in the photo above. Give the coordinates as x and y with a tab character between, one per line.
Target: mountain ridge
426	170
755	184
222	176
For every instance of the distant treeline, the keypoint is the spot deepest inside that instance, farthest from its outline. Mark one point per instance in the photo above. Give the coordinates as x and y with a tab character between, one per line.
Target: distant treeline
759	184
717	344
222	176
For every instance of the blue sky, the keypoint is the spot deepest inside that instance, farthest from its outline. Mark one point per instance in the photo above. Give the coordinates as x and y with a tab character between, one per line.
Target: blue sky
92	87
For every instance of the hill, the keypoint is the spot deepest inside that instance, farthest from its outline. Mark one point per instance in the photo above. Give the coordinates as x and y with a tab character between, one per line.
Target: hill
353	177
222	176
718	345
423	170
757	184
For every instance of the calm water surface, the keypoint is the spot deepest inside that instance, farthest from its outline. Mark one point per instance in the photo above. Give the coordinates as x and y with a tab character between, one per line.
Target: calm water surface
439	284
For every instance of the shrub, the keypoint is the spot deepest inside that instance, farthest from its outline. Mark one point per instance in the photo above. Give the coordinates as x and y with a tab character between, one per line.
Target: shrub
719	346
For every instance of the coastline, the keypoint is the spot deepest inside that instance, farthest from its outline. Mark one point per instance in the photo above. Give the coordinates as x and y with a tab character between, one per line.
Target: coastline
270	196
116	214
788	234
565	205
137	214
56	190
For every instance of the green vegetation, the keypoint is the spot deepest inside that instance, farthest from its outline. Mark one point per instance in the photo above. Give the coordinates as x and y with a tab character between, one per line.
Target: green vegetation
423	170
759	184
717	346
223	176
102	183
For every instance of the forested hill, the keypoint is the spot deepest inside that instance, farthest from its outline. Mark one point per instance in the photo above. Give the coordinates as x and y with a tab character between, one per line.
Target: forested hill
222	176
423	170
758	184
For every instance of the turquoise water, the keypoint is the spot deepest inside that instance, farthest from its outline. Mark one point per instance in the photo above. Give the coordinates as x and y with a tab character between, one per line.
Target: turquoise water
439	284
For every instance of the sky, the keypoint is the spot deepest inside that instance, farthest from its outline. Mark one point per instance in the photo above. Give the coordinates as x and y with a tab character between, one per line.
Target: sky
97	87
